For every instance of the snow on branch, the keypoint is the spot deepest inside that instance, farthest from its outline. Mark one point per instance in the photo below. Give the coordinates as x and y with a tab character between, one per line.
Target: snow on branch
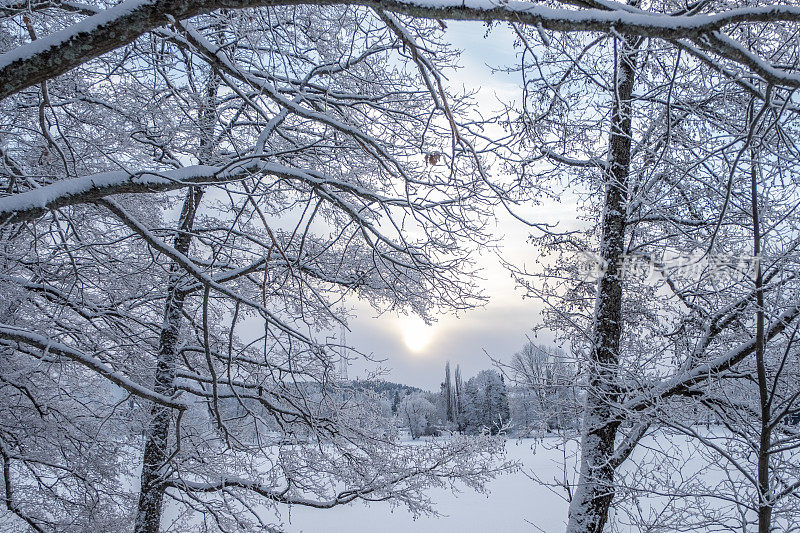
112	28
31	204
189	266
16	337
699	373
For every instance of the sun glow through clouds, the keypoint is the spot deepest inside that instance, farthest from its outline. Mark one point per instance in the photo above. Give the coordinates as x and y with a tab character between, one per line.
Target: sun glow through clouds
416	334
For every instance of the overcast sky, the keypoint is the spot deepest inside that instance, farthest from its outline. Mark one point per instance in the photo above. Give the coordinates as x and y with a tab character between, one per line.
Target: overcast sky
499	329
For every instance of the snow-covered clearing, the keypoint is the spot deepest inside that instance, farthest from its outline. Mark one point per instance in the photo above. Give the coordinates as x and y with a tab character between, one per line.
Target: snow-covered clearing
514	503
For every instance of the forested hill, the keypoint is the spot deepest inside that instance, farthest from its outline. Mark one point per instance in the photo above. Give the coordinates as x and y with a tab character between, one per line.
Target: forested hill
382	387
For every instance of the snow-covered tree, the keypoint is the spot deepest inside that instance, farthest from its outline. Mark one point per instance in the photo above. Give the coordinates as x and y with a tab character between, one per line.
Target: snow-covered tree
458	399
661	146
449	394
545	396
485	403
418	414
652	107
714	32
189	212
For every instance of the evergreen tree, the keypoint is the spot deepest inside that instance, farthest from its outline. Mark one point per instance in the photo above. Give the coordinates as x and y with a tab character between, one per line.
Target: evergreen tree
485	405
395	401
458	397
471	421
448	394
497	396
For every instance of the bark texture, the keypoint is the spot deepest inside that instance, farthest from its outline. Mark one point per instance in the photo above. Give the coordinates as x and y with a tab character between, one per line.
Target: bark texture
588	510
156	449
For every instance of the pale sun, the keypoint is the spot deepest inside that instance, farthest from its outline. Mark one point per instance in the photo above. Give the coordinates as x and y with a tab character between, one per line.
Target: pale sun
416	334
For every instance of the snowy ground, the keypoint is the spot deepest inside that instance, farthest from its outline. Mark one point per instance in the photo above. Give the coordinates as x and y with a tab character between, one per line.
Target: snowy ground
514	504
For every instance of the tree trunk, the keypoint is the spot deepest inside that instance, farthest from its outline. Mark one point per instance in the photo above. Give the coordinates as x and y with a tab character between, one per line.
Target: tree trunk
588	510
765	437
156	449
